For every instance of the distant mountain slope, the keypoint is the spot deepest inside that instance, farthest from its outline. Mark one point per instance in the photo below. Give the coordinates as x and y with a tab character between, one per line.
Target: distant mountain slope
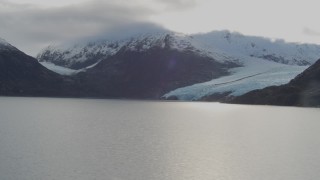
304	90
22	75
252	46
150	74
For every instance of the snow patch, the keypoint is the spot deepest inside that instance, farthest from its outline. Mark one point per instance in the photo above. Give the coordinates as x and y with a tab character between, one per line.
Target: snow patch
59	69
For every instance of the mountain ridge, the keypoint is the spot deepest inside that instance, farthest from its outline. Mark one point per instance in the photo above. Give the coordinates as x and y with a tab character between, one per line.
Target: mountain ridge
220	45
21	74
134	74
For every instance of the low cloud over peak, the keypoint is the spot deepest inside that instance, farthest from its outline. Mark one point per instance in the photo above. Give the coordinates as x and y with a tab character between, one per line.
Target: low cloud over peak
311	32
31	27
178	4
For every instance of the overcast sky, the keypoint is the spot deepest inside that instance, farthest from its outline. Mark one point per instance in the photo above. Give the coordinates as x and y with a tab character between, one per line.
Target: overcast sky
33	24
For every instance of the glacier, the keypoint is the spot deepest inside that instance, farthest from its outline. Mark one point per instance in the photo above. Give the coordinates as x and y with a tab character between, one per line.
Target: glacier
255	74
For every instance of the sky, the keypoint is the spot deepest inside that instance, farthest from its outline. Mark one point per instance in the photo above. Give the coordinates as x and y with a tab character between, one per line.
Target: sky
31	25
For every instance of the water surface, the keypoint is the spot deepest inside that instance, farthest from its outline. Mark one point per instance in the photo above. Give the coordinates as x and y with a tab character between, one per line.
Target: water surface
86	139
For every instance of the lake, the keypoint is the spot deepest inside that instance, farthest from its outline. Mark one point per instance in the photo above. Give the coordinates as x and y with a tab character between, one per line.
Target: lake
86	139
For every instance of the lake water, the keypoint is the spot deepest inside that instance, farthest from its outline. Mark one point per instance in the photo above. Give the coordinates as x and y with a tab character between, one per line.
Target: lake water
87	139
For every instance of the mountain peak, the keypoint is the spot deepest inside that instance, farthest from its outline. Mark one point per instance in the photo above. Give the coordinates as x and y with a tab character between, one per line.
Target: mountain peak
86	53
4	45
3	42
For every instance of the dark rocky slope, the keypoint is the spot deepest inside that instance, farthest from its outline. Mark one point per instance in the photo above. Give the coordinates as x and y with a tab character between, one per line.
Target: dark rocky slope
22	75
149	74
304	90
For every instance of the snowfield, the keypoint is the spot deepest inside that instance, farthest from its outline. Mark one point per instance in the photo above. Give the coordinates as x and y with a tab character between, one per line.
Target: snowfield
63	70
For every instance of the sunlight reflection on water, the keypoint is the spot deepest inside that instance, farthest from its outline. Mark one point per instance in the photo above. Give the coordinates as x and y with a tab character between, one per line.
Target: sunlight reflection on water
47	138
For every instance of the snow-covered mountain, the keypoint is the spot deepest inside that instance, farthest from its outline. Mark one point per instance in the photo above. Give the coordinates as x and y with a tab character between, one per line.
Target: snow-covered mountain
264	63
81	55
220	45
257	62
273	50
133	72
214	66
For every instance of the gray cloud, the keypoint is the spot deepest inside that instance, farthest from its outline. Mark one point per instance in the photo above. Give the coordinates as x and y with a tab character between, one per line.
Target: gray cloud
178	4
31	28
125	31
311	32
